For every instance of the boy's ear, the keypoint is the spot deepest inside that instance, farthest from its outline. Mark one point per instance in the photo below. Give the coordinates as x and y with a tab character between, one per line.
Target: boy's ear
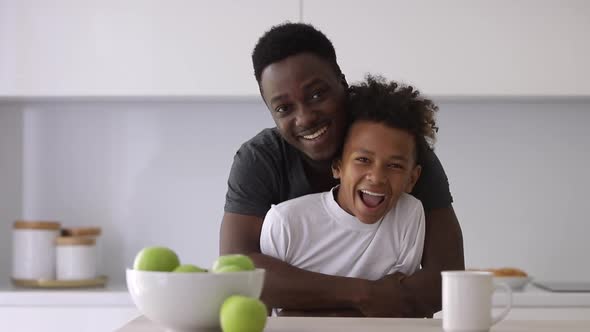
414	175
336	165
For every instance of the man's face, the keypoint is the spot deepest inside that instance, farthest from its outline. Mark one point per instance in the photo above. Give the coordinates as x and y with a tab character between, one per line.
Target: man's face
378	165
306	99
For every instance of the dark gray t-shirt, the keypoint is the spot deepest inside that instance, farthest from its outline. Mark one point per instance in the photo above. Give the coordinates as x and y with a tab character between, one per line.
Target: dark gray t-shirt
267	170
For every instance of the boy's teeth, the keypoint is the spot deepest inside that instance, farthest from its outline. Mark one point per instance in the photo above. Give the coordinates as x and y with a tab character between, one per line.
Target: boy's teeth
318	133
372	193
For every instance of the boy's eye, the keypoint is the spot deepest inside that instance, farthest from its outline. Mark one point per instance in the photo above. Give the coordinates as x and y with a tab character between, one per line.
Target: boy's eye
362	159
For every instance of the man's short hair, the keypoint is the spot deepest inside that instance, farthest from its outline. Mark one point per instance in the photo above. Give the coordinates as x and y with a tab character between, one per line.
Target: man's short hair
288	39
396	106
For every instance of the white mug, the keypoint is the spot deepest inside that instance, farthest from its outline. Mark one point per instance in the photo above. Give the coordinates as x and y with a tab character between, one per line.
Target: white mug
467	300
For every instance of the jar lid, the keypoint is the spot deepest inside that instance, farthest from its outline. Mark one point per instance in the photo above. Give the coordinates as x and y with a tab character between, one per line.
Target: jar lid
36	224
80	231
75	241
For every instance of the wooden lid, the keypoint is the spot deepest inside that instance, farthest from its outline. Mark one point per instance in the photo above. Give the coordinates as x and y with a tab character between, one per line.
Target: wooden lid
36	224
80	231
75	241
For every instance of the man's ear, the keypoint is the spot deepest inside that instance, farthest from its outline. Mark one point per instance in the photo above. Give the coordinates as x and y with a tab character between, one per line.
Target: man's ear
414	175
343	81
336	165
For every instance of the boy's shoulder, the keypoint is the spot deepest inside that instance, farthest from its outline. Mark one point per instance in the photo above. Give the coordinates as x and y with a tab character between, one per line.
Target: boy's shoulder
408	201
301	207
407	209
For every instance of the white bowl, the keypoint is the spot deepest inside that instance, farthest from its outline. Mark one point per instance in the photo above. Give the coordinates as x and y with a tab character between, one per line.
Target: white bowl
189	301
515	283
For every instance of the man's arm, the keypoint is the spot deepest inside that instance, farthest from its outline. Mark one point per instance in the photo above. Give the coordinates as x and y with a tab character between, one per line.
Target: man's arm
443	250
286	286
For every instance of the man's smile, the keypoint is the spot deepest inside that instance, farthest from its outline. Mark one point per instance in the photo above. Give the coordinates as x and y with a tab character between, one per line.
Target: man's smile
316	133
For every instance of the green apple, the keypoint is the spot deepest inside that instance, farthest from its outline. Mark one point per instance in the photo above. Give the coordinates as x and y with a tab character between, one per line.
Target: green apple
156	259
242	314
188	268
228	268
242	262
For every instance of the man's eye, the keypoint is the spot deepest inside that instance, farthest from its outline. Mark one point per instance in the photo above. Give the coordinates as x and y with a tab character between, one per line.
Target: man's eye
319	94
281	108
396	166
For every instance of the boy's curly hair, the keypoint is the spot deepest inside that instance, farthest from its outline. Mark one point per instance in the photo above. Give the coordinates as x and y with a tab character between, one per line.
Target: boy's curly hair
397	106
287	39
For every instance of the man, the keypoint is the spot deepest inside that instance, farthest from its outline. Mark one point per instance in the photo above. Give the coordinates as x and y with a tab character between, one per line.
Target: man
305	91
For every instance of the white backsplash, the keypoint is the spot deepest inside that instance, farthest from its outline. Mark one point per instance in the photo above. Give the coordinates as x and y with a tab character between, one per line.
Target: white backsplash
155	172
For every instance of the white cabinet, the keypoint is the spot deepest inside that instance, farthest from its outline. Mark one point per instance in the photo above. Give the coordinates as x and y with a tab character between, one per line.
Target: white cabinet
133	48
463	47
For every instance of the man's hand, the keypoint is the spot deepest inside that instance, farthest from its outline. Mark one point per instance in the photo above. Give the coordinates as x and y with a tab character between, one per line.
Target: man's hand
386	297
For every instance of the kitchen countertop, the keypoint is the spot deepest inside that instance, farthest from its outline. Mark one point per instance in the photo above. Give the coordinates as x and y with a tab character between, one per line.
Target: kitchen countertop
304	324
117	295
110	296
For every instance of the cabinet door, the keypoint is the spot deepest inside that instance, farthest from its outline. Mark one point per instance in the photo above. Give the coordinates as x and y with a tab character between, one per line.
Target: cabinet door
66	319
133	48
463	47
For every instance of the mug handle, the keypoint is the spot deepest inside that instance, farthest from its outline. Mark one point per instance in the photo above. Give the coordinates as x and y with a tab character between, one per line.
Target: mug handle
508	291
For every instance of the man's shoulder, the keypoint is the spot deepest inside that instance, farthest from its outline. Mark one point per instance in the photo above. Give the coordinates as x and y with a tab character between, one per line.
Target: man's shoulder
267	150
268	139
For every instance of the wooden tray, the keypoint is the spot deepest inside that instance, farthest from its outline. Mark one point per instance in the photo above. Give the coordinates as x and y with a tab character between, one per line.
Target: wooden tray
99	281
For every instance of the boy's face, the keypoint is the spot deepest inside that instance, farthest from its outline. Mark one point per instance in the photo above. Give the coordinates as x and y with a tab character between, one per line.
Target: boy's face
378	165
306	99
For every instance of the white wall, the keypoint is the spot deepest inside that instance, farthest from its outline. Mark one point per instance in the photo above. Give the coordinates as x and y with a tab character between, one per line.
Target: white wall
148	173
11	147
519	177
155	173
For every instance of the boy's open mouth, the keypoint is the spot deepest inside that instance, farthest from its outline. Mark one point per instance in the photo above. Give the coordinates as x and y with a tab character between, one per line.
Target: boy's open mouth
371	199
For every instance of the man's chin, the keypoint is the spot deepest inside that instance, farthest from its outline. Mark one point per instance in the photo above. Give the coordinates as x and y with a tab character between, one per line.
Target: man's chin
320	157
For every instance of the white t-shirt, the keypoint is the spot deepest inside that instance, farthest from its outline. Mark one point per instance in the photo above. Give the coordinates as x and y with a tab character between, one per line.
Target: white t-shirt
314	233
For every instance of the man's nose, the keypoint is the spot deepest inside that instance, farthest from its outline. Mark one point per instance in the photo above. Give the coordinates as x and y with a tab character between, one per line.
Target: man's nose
305	117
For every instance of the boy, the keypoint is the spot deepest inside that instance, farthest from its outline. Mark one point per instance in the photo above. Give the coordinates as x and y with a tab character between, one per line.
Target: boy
368	226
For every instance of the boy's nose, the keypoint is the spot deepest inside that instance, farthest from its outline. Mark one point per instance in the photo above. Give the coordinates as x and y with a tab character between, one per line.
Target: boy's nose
376	175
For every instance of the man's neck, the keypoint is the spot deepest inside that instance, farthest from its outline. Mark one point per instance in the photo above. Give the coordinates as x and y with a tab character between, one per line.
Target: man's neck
319	174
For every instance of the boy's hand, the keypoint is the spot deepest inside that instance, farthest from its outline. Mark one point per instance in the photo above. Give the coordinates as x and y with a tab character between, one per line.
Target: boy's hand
386	297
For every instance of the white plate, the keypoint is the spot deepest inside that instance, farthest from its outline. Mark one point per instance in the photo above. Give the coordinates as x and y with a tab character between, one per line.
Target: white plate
515	283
